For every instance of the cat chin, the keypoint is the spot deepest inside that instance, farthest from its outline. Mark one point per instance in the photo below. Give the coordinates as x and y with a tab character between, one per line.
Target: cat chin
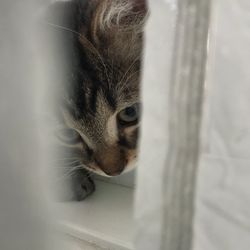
96	171
130	167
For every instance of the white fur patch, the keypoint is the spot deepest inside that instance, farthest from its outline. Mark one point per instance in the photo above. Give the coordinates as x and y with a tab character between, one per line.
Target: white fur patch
113	12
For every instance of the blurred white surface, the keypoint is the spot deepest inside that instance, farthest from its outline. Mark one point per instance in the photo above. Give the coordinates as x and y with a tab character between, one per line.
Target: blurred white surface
105	219
160	33
222	219
24	222
223	202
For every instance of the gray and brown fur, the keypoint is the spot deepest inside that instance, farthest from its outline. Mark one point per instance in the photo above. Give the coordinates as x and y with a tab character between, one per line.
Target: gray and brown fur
99	43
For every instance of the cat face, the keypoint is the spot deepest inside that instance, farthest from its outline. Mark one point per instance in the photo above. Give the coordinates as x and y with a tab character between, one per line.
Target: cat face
100	102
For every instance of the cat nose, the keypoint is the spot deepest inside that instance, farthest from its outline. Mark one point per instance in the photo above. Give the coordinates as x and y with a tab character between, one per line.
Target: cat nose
112	168
112	161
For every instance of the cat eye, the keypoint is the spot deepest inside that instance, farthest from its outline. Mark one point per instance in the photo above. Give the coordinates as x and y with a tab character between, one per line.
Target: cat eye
129	115
69	136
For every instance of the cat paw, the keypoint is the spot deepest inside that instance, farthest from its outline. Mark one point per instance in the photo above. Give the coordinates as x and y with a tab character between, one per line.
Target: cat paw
84	188
75	188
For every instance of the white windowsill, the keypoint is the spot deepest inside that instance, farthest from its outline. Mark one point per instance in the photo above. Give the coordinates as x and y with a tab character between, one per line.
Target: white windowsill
104	219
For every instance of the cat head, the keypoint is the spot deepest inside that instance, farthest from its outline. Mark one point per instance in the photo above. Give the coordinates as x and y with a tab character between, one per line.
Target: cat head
100	102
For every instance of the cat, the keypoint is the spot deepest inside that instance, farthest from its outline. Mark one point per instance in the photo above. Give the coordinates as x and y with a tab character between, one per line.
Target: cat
95	58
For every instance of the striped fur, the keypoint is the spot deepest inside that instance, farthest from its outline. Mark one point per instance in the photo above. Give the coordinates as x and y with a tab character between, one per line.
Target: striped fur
102	41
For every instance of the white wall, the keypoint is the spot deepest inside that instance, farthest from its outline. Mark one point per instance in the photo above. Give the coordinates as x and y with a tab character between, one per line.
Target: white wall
223	202
222	216
24	217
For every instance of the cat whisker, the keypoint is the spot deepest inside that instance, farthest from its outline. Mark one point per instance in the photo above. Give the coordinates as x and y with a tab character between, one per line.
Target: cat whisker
124	85
68	166
63	28
130	76
65	159
127	71
65	164
71	172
